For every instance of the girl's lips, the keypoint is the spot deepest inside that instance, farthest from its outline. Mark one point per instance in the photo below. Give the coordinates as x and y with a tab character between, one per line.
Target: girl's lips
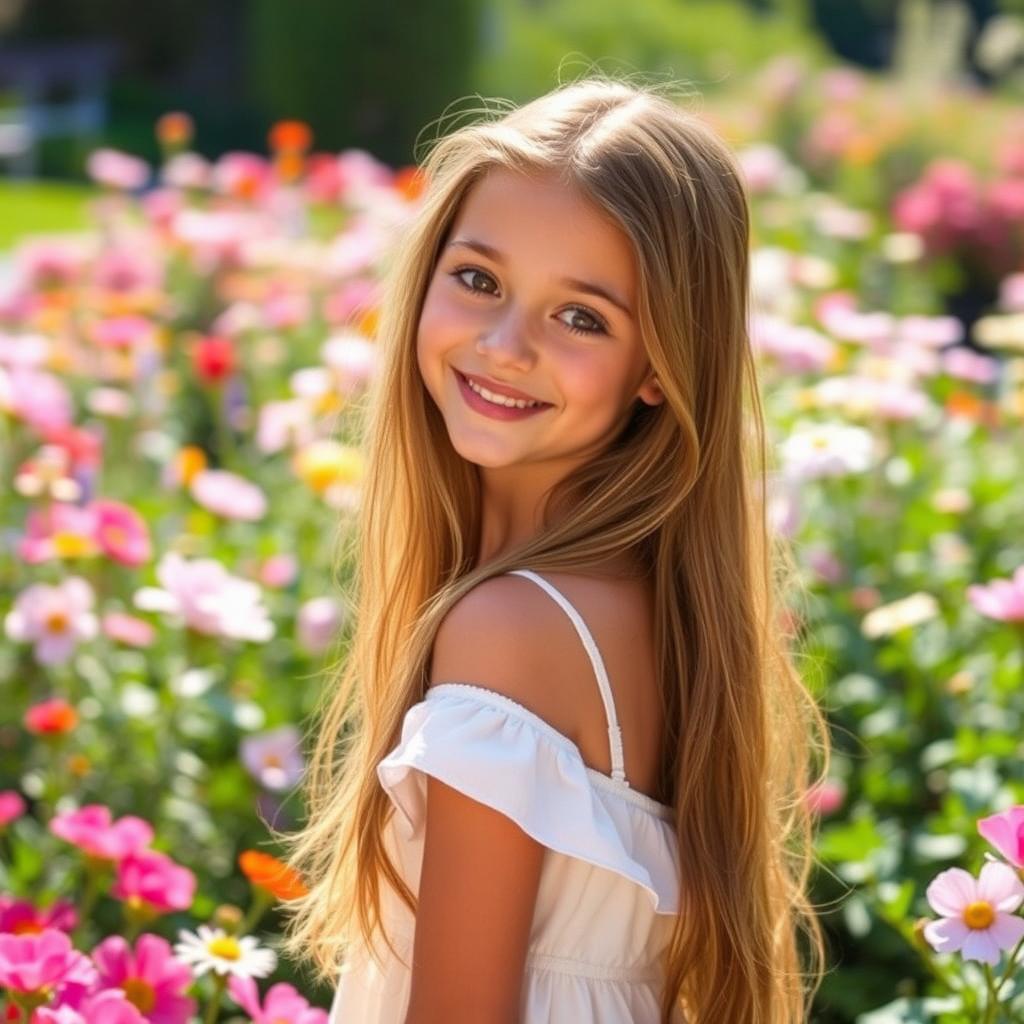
496	412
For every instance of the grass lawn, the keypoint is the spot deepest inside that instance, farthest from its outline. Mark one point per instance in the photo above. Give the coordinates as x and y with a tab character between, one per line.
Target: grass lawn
30	207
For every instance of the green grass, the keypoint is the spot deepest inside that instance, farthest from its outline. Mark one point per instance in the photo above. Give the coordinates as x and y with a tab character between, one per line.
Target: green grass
29	208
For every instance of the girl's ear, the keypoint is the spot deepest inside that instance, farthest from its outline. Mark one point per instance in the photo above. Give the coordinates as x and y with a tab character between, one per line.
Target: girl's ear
650	391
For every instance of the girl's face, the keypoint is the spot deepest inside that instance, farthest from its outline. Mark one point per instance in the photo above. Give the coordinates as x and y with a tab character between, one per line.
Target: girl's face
533	294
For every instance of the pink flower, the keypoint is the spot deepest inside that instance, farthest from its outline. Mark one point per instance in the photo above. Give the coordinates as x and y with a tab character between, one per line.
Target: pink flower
1005	831
53	618
228	494
827	797
279	570
208	598
12	806
22	917
90	829
56	528
1001	599
317	623
121	532
354	360
976	914
30	963
152	878
282	1004
274	758
128	629
118	170
40	399
151	978
123	332
109	1006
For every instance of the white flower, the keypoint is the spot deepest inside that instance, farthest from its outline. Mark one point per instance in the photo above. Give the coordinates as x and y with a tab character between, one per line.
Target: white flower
827	449
213	949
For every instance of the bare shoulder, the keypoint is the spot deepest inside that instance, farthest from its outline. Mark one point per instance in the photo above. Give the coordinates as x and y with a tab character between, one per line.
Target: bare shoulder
507	635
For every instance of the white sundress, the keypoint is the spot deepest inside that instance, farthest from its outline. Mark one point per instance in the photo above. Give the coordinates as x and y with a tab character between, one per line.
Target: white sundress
609	885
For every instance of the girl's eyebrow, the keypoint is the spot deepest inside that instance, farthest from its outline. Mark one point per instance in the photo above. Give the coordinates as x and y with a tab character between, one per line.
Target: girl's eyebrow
572	282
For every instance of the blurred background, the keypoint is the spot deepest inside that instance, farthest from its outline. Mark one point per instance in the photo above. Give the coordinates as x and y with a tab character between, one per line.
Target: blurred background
197	201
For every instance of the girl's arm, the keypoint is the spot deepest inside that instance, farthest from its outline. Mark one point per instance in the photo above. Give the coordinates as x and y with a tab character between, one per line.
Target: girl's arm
478	888
481	871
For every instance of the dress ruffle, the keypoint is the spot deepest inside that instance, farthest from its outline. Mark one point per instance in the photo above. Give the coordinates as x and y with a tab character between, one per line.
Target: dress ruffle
501	754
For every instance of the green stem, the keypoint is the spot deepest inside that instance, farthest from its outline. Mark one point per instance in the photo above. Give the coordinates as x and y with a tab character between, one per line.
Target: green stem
211	1010
1009	967
93	884
991	1000
261	900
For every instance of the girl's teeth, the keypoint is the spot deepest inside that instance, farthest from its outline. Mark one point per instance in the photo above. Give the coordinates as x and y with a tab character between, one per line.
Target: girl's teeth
517	403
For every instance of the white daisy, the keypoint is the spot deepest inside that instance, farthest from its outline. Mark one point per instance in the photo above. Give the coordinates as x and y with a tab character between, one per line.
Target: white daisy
213	949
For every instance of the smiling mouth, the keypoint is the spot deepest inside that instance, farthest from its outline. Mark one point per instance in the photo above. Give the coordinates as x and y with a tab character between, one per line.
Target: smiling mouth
477	386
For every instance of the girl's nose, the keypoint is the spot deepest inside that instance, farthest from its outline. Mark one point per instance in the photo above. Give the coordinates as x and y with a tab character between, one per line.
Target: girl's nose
507	341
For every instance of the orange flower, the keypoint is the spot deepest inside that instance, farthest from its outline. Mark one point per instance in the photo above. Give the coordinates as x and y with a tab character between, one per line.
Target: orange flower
290	136
410	182
51	717
174	129
271	874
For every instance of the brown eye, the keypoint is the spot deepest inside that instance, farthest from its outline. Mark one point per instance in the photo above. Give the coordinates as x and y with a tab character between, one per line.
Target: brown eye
458	275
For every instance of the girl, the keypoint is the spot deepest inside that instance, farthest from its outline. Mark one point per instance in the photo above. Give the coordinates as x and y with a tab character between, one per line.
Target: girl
574	749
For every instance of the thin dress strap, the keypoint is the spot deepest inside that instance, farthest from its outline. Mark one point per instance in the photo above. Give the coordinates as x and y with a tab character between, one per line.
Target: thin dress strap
614	732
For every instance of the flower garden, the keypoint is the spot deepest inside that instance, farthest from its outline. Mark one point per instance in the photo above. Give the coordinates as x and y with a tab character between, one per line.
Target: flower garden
180	389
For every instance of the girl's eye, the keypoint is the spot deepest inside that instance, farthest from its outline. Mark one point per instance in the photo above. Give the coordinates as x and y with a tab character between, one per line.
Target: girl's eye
600	327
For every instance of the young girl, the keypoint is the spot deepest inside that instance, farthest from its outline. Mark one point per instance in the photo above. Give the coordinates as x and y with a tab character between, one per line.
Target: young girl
562	775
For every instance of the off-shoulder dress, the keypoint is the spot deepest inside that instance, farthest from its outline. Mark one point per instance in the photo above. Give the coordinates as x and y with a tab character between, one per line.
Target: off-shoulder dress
609	886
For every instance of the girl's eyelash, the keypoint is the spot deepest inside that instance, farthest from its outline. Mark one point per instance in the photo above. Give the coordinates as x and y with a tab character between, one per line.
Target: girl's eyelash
602	326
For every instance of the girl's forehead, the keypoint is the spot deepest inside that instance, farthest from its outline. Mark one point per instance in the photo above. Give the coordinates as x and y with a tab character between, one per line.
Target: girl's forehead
537	216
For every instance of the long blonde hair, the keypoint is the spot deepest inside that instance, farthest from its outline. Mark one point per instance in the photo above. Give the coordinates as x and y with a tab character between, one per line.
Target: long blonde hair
683	488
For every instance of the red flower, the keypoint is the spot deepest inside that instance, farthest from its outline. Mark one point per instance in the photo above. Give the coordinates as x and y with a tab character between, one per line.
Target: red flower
51	717
213	358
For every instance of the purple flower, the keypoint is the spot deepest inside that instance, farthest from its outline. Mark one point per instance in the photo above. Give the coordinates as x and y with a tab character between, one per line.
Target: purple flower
274	758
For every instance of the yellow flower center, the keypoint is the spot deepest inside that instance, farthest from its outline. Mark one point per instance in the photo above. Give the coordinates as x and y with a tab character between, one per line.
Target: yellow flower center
979	915
225	947
140	993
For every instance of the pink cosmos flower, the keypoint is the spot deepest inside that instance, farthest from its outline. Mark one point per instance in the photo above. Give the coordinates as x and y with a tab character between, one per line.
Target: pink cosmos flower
152	878
1002	600
90	829
29	963
208	598
977	916
826	798
118	170
274	758
54	619
1005	831
150	976
128	629
187	170
121	532
281	1005
12	807
109	1006
46	262
22	917
229	495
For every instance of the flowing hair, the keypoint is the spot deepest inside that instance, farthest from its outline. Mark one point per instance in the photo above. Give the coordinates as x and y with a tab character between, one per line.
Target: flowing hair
684	488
